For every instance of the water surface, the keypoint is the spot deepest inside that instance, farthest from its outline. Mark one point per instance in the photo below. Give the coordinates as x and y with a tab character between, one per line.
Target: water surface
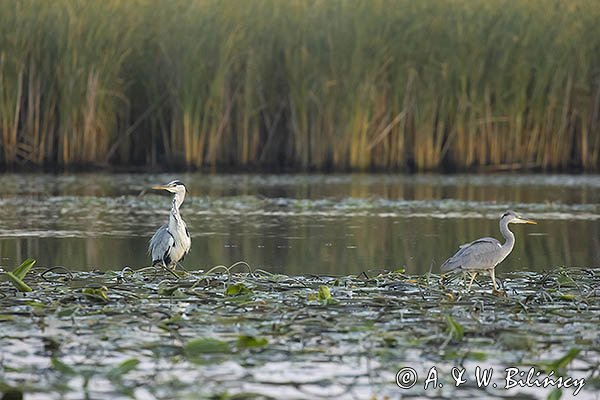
299	224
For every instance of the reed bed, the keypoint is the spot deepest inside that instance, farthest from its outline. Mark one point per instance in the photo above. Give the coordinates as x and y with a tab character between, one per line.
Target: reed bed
327	85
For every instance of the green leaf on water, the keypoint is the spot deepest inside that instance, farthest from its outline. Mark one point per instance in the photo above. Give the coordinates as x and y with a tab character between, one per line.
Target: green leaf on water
67	311
172	322
516	341
564	279
324	293
237	289
564	361
24	268
61	367
556	394
199	346
96	293
35	304
452	355
454	328
123	368
19	284
167	291
247	341
323	296
478	356
567	297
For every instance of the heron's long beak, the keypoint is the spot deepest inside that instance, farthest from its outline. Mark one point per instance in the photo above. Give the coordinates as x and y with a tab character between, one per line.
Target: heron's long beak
527	221
160	187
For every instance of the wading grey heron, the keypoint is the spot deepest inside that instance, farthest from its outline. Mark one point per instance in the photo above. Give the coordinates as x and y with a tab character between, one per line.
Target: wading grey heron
172	241
484	254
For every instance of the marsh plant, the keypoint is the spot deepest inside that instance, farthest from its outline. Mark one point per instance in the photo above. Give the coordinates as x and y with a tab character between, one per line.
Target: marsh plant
307	84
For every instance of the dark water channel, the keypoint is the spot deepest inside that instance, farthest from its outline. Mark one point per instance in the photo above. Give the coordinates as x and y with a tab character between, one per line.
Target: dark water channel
299	224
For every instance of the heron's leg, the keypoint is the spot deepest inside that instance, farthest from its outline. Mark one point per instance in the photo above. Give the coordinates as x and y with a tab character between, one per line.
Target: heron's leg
172	271
180	265
473	275
493	276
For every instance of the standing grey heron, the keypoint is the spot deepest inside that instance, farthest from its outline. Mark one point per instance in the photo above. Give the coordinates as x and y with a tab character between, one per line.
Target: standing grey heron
484	254
172	241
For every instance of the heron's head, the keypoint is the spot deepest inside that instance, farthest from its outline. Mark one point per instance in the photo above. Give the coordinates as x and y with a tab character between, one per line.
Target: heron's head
513	218
175	186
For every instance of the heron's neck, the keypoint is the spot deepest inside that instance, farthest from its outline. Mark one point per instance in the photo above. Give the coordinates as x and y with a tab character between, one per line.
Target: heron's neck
175	217
508	235
178	200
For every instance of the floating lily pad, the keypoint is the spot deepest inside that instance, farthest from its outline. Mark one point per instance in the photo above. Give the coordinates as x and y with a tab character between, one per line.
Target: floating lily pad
199	346
246	341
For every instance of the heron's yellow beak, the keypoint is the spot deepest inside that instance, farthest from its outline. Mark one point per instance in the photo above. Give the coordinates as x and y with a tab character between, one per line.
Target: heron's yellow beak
160	187
527	221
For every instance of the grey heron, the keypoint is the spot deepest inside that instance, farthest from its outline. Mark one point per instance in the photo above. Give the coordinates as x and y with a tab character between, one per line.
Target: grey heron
484	254
172	241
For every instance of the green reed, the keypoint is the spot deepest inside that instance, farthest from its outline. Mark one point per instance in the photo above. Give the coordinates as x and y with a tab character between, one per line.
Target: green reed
344	85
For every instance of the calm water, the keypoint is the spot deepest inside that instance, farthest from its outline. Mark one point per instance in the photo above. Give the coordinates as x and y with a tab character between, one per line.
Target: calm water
316	224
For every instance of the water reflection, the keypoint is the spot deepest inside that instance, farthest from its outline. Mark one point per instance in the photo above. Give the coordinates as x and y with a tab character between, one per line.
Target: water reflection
320	224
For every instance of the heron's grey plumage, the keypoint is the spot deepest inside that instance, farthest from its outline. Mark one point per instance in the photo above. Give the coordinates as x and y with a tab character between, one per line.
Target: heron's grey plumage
160	244
171	242
485	253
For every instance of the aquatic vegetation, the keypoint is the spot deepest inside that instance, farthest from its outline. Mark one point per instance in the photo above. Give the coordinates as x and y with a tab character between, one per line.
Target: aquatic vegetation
386	84
237	331
17	275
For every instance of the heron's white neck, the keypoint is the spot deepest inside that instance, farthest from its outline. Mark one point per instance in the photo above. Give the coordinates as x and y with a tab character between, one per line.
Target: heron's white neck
178	199
508	235
175	217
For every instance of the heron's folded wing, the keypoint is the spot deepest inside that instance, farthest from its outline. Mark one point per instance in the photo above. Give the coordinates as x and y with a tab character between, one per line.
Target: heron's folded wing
483	240
161	242
478	253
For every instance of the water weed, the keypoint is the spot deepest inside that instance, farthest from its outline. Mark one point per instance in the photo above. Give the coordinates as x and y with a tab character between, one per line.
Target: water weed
140	341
